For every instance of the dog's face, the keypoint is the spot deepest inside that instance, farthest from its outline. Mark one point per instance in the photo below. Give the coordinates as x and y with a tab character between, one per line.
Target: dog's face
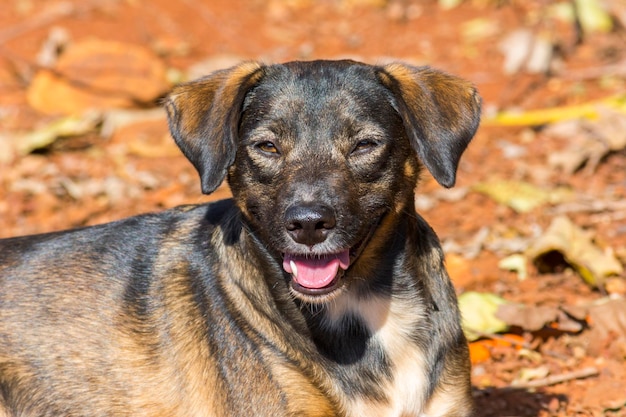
321	155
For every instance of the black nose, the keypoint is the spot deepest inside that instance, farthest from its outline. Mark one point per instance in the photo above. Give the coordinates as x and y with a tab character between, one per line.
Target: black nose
309	223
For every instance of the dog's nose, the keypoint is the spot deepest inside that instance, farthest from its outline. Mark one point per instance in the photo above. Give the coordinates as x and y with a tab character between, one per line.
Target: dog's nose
309	223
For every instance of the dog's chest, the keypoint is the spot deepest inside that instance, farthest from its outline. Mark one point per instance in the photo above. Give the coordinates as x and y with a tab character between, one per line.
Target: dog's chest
391	323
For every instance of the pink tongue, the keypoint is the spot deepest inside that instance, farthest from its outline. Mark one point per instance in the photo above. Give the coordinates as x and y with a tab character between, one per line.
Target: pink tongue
316	272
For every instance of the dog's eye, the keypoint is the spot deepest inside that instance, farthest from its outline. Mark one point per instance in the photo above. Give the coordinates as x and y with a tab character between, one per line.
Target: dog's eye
364	146
267	147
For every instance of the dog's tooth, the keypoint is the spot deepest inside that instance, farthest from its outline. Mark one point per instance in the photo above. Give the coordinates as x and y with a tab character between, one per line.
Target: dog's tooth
294	268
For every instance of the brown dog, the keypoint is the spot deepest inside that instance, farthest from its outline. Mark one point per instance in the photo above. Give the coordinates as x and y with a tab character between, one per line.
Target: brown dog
316	291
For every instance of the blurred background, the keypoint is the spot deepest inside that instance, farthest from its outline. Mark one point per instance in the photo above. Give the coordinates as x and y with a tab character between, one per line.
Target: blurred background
534	231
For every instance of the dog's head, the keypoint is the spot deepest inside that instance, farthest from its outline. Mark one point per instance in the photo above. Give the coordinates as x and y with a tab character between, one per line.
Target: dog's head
321	155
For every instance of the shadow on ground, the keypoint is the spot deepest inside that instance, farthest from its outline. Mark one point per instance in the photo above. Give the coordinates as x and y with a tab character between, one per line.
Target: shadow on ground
513	402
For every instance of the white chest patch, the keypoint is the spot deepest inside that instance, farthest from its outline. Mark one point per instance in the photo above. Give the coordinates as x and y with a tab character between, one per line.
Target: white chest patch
390	321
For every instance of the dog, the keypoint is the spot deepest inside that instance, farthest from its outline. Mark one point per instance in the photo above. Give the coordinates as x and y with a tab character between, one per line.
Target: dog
315	291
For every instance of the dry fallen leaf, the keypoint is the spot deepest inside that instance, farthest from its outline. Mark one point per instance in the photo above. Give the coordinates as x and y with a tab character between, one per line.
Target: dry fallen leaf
535	318
98	74
607	319
522	196
515	263
478	312
588	141
603	321
22	144
578	250
480	350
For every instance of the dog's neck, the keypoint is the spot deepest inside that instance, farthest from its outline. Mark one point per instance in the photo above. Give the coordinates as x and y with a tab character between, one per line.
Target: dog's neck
342	328
368	330
364	329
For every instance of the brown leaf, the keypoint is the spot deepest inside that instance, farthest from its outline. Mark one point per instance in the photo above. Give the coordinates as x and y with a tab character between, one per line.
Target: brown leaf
98	74
592	263
534	318
608	327
528	318
589	141
605	320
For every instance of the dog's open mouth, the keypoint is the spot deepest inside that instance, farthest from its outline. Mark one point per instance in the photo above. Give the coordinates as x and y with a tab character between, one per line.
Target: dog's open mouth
316	275
321	274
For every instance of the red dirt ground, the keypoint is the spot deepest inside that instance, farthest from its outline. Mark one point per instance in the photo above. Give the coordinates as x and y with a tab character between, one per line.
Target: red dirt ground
89	179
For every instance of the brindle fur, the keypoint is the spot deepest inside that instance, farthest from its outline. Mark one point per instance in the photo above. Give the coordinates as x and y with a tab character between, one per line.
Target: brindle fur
189	312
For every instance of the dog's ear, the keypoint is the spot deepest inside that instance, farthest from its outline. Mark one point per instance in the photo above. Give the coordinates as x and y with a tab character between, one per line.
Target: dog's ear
440	113
204	115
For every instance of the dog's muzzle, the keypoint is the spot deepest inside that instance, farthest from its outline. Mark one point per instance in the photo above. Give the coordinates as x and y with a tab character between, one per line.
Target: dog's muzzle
310	224
320	274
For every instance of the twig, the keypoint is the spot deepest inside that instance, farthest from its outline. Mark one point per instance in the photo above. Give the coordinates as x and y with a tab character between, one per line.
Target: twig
557	379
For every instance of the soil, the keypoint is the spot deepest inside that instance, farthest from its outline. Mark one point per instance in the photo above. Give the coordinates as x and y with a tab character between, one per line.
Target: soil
90	179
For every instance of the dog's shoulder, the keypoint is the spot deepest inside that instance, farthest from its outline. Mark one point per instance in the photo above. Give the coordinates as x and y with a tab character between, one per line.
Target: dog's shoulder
113	267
